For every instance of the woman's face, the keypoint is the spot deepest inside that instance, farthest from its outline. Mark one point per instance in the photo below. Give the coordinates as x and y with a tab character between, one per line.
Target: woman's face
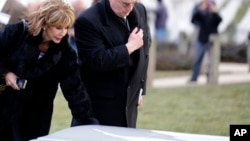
54	33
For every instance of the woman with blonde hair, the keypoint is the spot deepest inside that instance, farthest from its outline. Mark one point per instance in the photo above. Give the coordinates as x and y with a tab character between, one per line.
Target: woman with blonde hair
34	58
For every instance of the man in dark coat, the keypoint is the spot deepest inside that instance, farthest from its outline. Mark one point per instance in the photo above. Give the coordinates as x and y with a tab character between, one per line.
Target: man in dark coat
113	41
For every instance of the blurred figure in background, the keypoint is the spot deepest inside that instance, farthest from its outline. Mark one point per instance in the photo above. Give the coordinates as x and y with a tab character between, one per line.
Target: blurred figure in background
33	5
95	1
160	22
206	17
11	12
78	6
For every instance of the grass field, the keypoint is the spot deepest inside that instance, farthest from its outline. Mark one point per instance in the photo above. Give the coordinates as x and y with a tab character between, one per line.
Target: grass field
201	110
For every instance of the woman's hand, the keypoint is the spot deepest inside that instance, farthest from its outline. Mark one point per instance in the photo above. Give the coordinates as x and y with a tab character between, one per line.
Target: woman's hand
10	79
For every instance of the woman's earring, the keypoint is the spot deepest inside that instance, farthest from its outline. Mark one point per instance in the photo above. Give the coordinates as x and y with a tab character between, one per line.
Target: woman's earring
44	28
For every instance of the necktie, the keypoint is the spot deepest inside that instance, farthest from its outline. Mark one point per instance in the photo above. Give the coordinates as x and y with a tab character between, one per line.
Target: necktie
127	24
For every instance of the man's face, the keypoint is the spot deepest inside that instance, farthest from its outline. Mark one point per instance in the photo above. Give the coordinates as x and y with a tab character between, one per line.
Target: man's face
122	8
208	1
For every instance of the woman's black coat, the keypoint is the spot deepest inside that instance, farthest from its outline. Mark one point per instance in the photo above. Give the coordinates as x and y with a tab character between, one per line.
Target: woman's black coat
30	110
113	78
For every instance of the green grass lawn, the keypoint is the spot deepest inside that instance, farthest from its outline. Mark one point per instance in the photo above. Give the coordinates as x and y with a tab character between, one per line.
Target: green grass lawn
201	110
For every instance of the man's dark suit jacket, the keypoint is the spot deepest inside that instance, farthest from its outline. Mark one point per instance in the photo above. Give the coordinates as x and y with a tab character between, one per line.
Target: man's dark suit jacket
113	78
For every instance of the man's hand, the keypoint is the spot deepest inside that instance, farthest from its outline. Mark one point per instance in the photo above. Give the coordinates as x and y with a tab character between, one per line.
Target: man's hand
203	6
212	8
140	100
135	40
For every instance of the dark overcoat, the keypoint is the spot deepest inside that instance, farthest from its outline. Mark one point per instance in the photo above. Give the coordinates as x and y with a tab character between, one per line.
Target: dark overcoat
113	78
208	24
26	114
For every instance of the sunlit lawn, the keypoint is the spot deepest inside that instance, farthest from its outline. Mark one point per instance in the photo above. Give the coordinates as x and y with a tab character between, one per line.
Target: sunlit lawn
192	109
202	110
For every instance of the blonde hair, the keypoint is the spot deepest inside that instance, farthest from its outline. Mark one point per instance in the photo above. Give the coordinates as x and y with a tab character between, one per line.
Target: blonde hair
51	13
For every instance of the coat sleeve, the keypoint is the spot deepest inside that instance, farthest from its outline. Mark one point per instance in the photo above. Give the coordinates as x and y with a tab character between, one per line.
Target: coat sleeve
216	20
9	36
196	18
75	93
147	44
93	47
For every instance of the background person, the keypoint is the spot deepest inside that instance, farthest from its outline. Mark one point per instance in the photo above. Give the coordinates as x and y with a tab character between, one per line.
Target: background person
207	19
95	1
33	5
78	6
161	16
114	57
42	56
